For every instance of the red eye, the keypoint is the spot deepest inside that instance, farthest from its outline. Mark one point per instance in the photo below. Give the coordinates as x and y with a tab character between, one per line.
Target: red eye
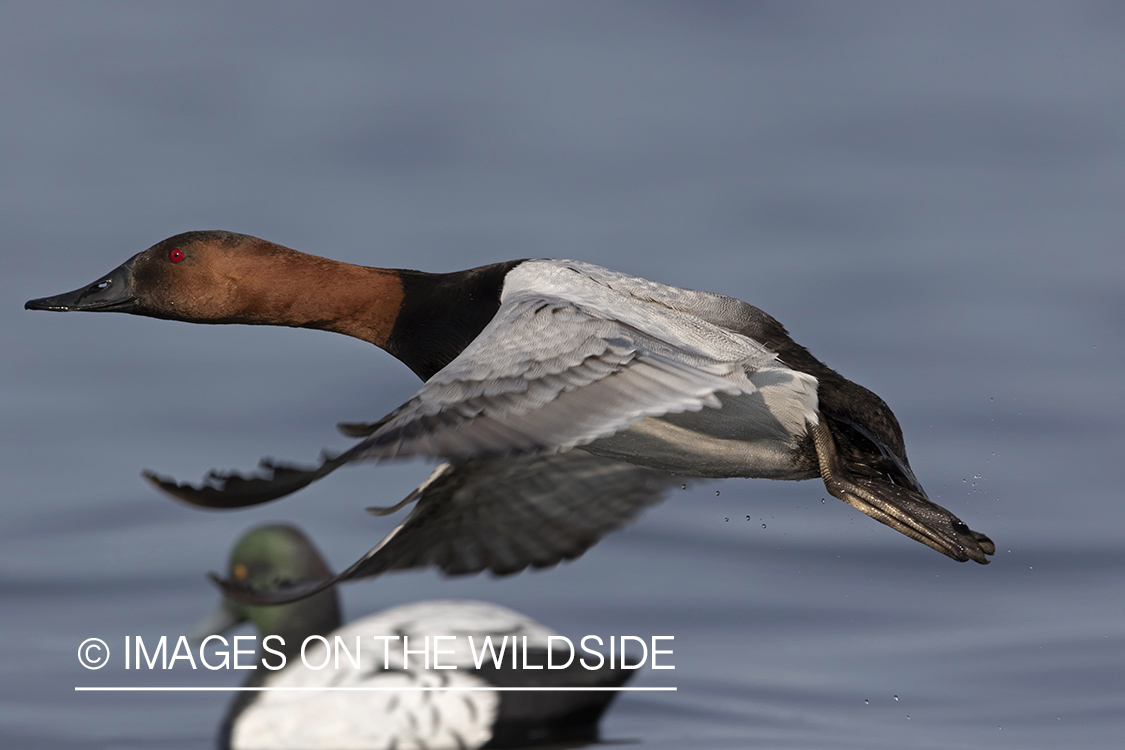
176	255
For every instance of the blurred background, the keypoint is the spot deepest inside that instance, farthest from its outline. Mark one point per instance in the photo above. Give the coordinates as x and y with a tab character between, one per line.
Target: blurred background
930	197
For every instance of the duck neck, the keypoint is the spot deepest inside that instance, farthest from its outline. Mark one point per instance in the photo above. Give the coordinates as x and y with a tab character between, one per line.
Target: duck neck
423	319
306	291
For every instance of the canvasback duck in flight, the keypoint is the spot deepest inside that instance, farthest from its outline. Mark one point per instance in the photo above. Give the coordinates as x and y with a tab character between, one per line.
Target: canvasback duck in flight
562	398
384	702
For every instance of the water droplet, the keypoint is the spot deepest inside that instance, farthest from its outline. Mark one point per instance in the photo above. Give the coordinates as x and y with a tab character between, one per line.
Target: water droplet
716	493
683	486
822	500
763	526
726	519
896	697
908	717
866	702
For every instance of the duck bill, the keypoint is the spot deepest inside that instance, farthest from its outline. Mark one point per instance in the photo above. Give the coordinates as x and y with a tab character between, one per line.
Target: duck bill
918	518
905	510
111	293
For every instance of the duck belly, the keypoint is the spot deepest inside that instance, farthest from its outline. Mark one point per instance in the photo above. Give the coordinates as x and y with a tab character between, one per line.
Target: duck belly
761	434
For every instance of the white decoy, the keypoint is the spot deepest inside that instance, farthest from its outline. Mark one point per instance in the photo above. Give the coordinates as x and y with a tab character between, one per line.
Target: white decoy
408	718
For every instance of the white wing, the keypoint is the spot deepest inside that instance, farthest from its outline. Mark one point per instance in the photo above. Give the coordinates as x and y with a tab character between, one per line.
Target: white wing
567	360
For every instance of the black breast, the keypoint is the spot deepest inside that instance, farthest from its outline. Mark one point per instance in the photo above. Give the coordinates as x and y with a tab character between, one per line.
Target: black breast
442	312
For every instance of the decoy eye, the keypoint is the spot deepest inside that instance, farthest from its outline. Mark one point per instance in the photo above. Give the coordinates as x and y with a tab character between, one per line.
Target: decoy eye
176	255
239	572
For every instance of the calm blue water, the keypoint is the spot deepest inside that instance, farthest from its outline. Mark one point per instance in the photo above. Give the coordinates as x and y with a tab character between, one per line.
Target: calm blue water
930	198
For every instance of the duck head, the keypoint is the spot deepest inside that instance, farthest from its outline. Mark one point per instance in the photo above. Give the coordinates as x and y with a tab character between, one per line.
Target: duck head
192	276
224	277
272	559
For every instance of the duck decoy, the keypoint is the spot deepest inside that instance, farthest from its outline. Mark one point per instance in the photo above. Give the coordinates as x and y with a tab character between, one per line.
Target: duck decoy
386	704
562	397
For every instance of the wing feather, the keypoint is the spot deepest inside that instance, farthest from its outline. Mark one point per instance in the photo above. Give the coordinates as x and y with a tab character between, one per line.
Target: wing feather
503	516
550	372
549	388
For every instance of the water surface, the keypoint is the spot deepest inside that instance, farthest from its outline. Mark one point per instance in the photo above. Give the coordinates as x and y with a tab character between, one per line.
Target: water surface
928	197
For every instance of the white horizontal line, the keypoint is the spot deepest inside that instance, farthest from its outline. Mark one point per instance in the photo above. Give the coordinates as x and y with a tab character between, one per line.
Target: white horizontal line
106	689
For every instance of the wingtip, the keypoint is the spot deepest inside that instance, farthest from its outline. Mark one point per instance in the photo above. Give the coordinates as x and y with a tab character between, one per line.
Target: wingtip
167	485
229	489
351	429
195	496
